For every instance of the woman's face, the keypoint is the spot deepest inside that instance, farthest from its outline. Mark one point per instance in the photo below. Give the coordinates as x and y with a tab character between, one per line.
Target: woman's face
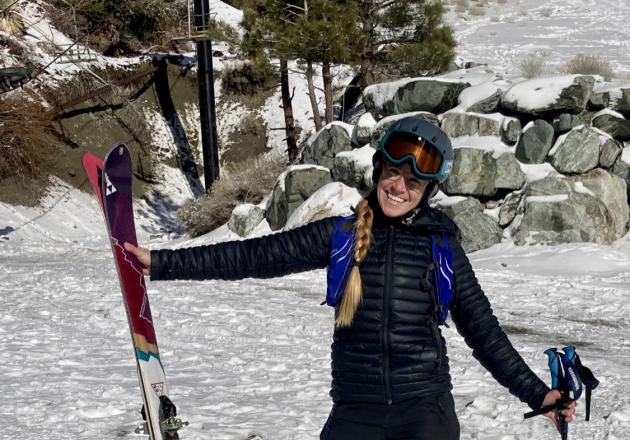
399	190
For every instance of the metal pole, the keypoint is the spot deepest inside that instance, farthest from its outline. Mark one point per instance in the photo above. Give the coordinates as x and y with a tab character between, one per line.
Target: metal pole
206	97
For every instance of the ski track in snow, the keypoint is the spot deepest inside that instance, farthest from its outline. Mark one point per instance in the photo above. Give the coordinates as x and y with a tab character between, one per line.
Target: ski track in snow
252	356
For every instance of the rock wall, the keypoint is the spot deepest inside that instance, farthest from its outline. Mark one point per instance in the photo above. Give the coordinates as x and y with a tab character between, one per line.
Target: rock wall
538	160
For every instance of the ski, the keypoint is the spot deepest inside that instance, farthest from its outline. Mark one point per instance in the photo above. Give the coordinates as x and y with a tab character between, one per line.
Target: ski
111	181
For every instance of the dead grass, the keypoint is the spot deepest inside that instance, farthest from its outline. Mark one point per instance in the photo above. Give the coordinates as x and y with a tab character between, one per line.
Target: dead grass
477	11
26	136
589	65
534	64
10	22
461	5
246	182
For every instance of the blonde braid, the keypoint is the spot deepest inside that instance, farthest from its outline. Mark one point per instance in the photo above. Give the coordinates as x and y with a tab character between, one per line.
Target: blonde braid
353	293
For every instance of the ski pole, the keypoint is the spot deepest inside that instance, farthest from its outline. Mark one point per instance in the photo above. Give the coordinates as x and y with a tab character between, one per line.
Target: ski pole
558	382
570	377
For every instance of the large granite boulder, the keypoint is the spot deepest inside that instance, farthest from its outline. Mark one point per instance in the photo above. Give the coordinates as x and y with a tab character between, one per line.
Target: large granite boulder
510	131
565	123
591	207
481	98
478	173
576	152
292	188
412	94
331	200
479	231
622	104
456	124
363	130
354	168
542	97
535	142
610	151
245	218
323	146
613	123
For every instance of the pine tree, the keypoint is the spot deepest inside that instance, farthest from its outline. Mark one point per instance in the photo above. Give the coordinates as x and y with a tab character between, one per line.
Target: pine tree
326	33
263	21
408	37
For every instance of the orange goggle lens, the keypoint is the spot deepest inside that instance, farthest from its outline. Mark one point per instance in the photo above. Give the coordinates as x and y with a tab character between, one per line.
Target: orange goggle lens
427	159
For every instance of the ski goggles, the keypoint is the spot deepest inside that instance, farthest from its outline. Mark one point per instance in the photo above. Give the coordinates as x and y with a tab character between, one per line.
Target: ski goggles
426	160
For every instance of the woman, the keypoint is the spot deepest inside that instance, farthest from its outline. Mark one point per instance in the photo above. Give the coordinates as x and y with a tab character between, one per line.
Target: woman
390	373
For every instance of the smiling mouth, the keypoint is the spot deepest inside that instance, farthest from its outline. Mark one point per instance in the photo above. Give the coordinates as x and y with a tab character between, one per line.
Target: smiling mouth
393	198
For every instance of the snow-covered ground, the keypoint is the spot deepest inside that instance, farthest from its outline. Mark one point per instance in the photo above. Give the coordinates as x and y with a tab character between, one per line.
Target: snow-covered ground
252	356
509	30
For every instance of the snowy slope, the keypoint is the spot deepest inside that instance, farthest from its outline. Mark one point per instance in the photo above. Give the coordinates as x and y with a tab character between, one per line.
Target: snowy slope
511	29
253	356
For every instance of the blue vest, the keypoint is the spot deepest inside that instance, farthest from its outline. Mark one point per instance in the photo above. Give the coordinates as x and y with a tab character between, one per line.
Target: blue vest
342	260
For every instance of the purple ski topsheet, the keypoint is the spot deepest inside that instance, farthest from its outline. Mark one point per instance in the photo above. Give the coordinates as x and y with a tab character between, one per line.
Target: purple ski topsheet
117	203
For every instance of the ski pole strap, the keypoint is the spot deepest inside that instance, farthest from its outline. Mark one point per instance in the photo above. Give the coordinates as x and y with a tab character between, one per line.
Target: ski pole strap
545	409
578	377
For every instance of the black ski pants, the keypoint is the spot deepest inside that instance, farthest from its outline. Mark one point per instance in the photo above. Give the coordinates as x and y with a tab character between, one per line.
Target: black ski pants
426	418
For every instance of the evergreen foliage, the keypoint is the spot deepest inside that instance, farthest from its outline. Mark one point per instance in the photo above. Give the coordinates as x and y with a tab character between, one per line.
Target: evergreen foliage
405	37
249	77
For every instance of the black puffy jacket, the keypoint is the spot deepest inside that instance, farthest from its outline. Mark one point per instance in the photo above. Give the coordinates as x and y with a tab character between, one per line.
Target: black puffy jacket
393	350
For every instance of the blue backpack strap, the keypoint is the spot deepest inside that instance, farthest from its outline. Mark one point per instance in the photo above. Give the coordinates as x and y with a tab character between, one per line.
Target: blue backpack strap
444	275
341	259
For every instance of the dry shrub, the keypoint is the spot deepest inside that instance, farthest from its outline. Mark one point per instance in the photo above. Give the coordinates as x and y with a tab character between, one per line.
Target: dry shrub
461	5
546	12
246	182
26	136
534	64
477	11
10	23
589	65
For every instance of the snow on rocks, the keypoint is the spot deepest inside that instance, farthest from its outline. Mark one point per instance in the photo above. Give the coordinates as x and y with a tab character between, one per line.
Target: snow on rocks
321	148
541	96
354	168
613	123
293	187
245	218
412	94
331	200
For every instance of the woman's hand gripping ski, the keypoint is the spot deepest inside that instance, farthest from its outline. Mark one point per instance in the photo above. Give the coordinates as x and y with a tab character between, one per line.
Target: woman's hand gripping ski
142	254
